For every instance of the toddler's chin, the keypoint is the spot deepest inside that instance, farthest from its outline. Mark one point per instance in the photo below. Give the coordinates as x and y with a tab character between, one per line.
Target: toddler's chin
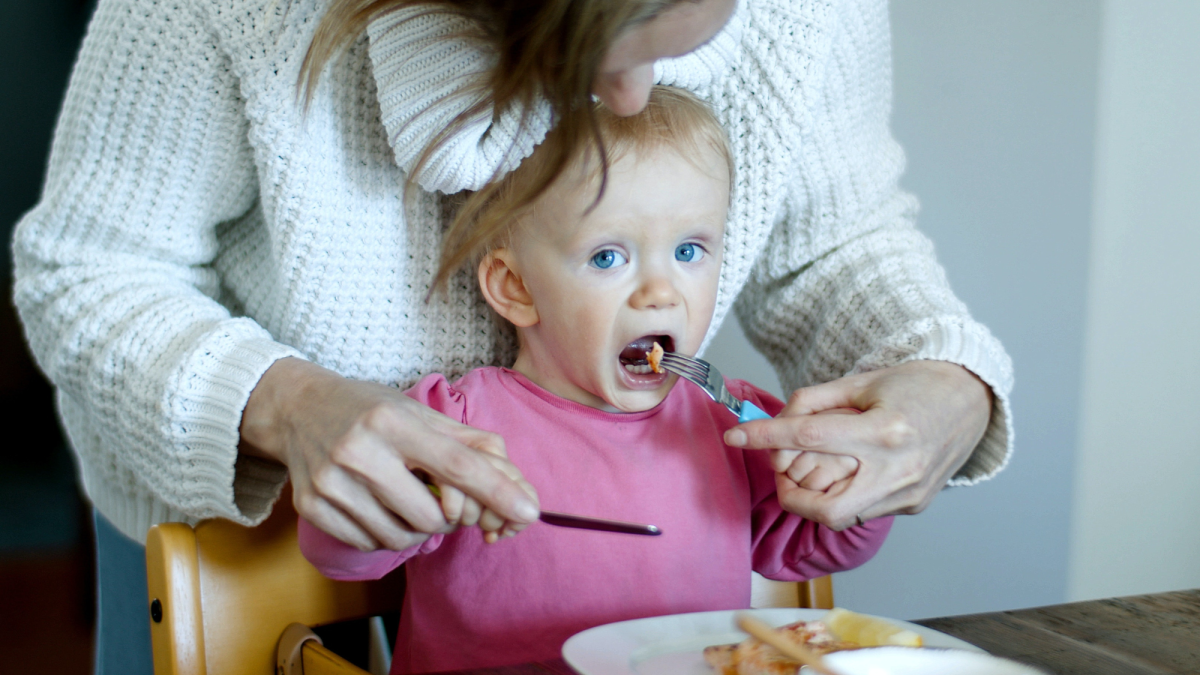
638	401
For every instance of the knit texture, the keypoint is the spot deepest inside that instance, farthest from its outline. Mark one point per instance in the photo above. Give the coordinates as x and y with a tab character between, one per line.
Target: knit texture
196	226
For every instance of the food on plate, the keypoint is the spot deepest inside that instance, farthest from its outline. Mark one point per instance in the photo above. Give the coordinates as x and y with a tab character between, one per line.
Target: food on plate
868	631
838	630
753	657
654	356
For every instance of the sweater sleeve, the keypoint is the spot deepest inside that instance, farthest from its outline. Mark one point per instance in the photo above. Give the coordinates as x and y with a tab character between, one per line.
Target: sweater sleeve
785	546
114	281
848	283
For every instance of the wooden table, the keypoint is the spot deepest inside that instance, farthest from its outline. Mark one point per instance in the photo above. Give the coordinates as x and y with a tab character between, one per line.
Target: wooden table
1138	635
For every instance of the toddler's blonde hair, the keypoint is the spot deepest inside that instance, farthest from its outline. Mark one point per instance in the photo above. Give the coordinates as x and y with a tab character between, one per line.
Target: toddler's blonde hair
672	118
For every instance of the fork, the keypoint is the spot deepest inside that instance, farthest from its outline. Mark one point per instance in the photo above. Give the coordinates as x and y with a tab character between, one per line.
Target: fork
704	375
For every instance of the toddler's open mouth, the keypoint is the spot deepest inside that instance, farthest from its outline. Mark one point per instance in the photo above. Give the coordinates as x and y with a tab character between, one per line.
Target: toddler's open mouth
633	356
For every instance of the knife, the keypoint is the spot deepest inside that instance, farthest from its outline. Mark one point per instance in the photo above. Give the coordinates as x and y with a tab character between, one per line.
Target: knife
585	523
581	522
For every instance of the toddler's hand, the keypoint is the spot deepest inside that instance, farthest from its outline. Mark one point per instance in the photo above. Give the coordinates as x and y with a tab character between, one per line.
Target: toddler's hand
462	510
816	471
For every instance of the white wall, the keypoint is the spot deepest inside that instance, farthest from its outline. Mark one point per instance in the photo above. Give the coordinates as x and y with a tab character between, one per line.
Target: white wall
1137	481
995	107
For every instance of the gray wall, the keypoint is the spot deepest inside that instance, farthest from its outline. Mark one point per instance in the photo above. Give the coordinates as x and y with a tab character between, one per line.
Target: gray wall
994	104
1138	462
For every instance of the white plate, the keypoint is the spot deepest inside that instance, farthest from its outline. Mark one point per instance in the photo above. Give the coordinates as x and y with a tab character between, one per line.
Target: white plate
906	661
674	645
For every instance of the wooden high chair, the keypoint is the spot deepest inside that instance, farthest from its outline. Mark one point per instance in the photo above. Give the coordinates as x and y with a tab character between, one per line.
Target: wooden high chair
223	595
812	594
231	600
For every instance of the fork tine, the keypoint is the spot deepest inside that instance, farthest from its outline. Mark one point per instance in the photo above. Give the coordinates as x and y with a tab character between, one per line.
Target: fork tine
683	358
693	370
686	369
689	363
706	376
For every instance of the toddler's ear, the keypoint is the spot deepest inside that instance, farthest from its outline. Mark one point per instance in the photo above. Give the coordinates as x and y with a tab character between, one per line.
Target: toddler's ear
504	289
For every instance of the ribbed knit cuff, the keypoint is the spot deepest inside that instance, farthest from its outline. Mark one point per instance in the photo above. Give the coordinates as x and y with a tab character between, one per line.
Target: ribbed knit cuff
207	477
207	397
972	346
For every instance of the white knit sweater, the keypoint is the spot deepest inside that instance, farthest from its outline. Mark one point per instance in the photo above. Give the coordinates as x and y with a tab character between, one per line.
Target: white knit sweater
195	227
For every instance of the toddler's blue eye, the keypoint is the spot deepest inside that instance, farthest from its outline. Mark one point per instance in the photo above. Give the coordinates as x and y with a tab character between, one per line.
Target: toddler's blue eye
607	258
688	253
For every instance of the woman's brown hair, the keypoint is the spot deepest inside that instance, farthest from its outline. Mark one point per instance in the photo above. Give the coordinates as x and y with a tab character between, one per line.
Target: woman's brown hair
545	49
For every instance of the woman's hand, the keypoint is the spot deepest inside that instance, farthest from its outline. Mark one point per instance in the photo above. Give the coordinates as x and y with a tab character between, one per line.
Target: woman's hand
817	471
355	452
920	422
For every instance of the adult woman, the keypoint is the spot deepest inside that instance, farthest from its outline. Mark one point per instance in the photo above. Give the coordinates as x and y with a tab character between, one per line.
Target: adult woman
212	267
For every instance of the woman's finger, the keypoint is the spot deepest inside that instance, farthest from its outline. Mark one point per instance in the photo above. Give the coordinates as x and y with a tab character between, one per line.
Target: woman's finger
883	485
378	467
844	393
347	494
871	431
482	474
833	508
331	520
483	441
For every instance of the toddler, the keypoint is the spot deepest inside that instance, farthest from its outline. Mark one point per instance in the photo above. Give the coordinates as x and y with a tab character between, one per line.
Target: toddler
590	285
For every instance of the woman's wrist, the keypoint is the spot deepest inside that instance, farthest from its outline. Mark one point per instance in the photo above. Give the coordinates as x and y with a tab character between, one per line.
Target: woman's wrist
263	429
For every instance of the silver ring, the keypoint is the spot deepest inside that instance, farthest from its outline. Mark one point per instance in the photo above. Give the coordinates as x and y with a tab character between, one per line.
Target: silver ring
859	520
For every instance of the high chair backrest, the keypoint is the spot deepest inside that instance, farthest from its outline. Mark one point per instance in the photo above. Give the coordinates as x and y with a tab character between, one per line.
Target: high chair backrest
222	594
812	594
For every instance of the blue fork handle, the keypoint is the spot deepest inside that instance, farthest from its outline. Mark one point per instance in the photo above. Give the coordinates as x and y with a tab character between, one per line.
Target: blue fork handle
751	412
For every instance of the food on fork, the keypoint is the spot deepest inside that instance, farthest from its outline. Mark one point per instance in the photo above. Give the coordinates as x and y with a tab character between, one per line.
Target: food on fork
654	357
637	357
838	630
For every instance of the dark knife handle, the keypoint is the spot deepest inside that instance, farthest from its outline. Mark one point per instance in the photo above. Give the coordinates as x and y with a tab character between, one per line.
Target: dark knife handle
565	520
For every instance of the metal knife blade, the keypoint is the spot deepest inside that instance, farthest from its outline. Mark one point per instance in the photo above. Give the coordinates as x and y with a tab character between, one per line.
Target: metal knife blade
585	523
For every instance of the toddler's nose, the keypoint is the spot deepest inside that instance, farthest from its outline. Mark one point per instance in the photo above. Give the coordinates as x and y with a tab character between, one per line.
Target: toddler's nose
656	292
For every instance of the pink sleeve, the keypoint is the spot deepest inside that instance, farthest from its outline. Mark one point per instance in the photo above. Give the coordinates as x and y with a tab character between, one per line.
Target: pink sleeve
343	562
435	392
785	546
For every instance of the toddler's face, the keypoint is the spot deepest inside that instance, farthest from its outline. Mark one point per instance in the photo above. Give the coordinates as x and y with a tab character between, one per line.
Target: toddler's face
642	265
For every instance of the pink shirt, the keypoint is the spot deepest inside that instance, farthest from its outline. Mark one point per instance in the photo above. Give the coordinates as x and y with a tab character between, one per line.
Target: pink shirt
470	605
